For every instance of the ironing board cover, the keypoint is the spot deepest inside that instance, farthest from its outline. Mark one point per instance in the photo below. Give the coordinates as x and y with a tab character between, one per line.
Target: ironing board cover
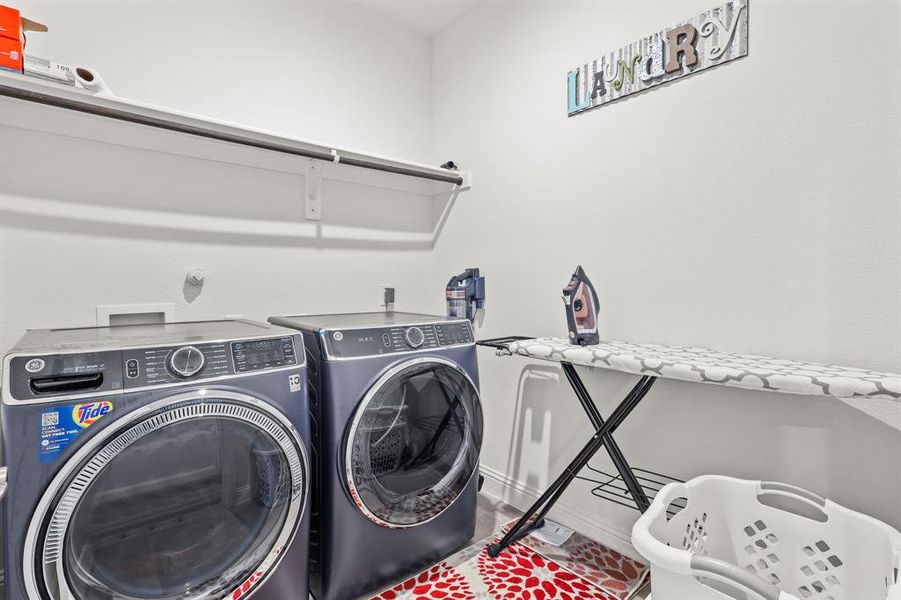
877	394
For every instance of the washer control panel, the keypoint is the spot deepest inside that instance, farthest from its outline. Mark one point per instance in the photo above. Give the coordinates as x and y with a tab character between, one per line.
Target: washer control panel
41	377
168	364
353	343
263	354
175	364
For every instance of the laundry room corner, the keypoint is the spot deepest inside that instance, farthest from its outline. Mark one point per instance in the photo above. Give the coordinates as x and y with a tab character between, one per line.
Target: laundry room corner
752	208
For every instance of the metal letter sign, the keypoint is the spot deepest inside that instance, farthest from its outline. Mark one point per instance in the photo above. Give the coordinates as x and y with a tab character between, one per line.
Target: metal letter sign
712	38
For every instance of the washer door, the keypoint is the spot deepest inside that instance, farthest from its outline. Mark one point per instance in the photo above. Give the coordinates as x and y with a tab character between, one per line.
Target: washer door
192	498
414	442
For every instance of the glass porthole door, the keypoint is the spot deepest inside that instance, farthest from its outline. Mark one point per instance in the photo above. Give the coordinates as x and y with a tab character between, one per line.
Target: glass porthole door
195	499
414	442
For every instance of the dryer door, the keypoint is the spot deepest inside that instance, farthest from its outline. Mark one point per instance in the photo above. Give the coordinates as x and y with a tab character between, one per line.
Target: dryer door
414	442
193	497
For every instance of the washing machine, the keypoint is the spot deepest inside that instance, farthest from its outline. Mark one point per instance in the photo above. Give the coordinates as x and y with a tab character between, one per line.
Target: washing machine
397	429
155	462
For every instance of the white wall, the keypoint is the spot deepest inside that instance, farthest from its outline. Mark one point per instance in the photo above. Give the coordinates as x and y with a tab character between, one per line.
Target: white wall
330	71
750	208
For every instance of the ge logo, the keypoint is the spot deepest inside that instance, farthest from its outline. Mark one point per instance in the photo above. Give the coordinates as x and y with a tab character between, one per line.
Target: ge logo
294	382
34	365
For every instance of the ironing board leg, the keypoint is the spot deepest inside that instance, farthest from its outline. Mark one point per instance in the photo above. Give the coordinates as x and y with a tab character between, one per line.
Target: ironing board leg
616	455
536	513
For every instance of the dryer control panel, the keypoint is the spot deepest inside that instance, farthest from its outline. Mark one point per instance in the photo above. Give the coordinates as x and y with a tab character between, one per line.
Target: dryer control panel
375	341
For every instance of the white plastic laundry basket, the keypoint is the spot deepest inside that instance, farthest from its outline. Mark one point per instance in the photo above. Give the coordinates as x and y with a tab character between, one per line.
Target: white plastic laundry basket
750	540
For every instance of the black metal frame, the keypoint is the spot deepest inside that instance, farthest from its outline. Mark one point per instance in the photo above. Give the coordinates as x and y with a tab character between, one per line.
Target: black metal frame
603	437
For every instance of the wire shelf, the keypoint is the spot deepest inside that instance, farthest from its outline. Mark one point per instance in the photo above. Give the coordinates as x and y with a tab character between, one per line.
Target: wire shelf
610	487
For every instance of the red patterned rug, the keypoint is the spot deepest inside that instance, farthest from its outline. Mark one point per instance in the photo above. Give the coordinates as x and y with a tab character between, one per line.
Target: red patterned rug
529	570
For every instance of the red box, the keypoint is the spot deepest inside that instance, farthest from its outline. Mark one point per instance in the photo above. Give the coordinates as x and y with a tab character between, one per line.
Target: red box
11	55
12	38
11	49
10	23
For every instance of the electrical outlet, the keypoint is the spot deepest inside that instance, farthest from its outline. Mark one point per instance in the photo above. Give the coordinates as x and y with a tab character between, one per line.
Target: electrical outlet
388	296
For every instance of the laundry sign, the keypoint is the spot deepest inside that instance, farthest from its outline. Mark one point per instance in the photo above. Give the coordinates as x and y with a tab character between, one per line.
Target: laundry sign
714	37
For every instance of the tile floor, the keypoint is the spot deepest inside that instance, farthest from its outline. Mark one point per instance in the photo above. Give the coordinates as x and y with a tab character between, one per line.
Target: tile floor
492	513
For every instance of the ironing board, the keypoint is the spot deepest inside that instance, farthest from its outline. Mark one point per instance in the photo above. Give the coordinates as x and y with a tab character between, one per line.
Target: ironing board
874	393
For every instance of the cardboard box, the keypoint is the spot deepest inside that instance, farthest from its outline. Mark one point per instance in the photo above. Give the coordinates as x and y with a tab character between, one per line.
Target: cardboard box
11	51
11	55
10	23
12	38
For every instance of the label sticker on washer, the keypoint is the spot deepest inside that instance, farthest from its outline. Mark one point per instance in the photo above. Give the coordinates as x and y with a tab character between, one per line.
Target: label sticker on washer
294	382
60	427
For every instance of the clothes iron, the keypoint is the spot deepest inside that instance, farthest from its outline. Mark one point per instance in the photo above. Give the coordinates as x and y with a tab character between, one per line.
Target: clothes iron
582	309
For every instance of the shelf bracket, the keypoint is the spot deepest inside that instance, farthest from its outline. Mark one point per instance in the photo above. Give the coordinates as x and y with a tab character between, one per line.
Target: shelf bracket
313	206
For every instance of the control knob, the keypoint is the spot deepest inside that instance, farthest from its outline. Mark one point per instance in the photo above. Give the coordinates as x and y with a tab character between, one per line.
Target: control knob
186	362
414	336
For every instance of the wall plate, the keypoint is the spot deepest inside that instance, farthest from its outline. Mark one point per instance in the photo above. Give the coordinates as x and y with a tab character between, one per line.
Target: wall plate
134	314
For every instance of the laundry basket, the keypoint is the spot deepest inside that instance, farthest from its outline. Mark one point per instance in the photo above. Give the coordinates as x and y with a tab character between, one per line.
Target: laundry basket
750	540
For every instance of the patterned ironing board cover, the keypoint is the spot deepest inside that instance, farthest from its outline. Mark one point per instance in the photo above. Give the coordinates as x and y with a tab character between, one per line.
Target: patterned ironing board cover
877	394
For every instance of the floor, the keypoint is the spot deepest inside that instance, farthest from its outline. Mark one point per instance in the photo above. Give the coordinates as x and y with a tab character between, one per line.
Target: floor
491	513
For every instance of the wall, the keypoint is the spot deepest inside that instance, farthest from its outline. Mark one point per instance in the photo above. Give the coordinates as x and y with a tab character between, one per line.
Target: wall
328	71
750	208
112	221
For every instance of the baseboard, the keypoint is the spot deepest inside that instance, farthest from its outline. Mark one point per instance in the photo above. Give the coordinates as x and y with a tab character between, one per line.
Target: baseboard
506	489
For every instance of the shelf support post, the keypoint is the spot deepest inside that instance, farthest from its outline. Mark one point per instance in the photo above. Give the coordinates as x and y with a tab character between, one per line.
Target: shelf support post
313	196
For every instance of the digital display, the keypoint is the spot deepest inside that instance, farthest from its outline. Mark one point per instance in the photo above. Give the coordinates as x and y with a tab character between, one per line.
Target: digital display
262	354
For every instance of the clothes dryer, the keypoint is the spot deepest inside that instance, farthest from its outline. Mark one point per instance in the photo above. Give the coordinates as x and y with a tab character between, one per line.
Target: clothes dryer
397	433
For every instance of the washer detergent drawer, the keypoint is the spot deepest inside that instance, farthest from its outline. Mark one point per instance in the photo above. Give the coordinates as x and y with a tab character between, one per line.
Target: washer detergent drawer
189	497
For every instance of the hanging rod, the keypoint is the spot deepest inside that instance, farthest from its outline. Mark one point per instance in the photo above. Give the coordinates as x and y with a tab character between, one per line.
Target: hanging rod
27	88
